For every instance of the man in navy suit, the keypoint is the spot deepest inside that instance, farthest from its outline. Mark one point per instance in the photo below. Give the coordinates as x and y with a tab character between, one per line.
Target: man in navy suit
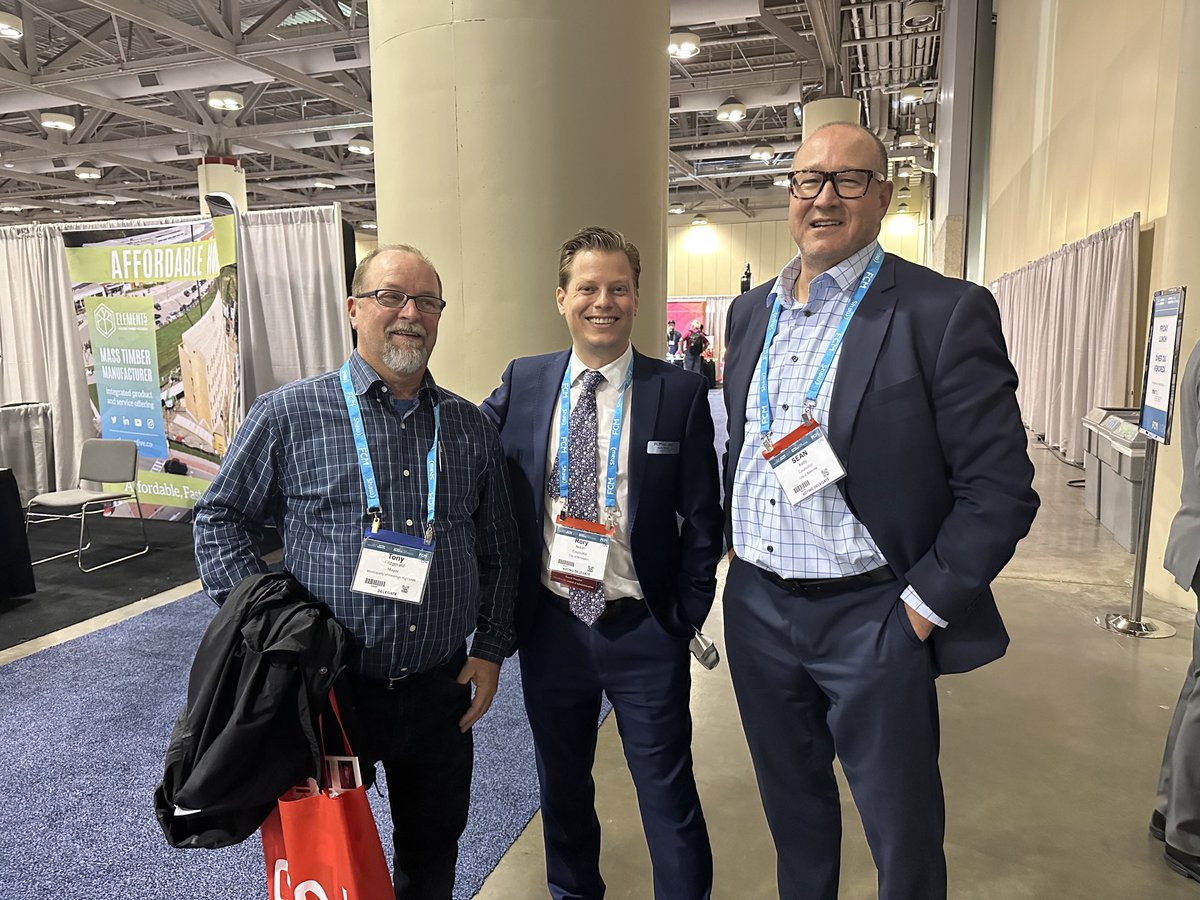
877	481
616	496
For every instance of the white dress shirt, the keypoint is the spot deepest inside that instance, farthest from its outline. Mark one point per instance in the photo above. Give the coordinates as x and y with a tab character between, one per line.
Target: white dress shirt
620	580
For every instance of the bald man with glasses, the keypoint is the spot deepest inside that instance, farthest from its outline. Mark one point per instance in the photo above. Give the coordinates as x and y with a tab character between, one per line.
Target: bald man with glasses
877	481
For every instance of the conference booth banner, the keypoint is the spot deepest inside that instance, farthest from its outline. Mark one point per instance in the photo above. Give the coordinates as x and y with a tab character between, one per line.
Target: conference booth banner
157	311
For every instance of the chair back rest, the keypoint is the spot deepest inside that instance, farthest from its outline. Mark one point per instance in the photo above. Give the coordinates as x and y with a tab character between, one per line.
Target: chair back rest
108	460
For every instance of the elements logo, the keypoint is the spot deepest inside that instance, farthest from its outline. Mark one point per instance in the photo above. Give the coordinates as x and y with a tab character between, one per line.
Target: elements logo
106	322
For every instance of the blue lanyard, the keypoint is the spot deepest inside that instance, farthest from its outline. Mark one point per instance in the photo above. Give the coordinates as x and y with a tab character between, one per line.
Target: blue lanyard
363	454
614	438
810	397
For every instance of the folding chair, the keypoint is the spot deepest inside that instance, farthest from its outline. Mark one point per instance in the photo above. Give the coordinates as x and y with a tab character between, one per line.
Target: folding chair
100	461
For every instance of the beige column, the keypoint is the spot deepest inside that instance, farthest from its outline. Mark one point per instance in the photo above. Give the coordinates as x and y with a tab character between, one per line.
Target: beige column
816	113
1180	266
503	126
222	175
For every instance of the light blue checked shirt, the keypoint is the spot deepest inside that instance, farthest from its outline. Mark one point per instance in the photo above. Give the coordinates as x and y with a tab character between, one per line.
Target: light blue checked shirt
818	537
293	463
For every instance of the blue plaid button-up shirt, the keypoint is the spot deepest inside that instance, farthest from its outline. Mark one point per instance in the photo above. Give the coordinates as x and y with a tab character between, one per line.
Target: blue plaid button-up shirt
293	464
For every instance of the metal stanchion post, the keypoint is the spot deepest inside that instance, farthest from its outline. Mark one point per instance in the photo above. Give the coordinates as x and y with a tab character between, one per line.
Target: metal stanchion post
1133	625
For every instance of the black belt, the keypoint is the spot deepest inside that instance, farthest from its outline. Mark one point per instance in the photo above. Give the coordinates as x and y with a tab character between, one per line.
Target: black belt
819	587
451	667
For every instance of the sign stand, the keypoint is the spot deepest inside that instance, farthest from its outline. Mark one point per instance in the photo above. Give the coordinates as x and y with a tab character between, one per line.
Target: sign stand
1158	400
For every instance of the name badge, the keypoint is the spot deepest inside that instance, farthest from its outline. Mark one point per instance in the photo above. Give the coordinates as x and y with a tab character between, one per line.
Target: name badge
579	553
393	566
668	448
804	462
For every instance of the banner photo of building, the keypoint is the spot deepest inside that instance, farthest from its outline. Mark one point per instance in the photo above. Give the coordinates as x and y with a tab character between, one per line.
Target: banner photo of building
157	313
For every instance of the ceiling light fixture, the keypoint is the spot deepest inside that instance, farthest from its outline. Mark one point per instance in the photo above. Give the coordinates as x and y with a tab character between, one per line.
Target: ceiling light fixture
676	209
87	172
370	226
908	139
782	179
10	208
905	171
902	208
324	183
226	100
105	200
732	110
683	45
700	219
763	152
9	165
57	121
10	26
912	93
919	14
904	193
361	145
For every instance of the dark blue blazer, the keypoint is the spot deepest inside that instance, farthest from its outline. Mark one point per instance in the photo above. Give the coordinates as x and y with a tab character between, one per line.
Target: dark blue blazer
674	498
924	418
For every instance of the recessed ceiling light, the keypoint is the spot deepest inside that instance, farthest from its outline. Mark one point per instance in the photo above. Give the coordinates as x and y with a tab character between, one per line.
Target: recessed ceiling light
87	173
57	121
10	26
683	45
361	146
700	219
732	110
227	100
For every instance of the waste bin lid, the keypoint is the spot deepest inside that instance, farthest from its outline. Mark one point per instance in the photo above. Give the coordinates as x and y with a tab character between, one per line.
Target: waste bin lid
1123	433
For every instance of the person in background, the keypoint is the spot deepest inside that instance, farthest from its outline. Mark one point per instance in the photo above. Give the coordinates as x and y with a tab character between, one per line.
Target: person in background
611	450
673	338
877	482
1176	816
359	468
694	345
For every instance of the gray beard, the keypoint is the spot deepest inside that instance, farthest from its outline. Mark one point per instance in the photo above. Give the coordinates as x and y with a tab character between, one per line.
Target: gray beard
404	361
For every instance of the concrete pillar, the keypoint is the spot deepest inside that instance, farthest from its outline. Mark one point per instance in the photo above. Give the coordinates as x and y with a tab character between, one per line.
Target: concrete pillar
1180	266
502	127
816	113
222	174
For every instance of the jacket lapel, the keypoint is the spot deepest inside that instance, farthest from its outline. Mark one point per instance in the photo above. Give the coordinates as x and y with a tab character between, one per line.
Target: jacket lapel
646	397
545	417
860	350
742	369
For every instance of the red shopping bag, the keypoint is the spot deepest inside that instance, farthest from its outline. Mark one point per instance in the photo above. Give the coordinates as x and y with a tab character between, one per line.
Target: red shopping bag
325	848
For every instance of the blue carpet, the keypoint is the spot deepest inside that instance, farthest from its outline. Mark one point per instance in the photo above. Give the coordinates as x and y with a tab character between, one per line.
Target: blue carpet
83	732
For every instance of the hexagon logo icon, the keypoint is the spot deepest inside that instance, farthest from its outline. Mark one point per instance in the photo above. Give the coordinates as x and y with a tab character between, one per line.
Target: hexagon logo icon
106	322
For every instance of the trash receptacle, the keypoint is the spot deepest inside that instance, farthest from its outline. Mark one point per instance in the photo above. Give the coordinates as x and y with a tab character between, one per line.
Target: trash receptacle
1122	457
1093	437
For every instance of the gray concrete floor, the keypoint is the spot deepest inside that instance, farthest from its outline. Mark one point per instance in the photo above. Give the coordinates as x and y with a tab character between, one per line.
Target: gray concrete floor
1050	756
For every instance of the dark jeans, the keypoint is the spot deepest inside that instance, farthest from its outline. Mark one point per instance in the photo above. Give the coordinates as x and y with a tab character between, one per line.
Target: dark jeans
412	728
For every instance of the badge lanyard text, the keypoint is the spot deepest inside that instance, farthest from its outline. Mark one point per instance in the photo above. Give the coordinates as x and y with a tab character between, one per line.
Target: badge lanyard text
614	440
810	397
367	470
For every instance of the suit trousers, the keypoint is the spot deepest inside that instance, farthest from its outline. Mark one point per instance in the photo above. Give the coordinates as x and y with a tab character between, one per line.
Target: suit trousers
565	668
412	728
838	675
1179	780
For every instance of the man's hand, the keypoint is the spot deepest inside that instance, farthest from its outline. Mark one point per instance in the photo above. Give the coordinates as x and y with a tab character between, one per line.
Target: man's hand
921	625
486	677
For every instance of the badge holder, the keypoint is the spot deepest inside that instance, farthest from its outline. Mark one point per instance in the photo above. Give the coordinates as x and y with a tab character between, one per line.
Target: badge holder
393	566
579	553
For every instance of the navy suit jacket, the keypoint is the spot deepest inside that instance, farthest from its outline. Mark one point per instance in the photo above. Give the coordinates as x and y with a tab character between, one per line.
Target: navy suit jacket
674	498
924	417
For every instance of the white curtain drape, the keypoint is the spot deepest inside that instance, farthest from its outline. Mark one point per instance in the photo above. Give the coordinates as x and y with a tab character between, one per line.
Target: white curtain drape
1068	319
40	356
293	313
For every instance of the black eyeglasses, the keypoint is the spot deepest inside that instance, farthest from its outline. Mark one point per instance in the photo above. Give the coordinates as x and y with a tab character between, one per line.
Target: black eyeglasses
849	184
390	299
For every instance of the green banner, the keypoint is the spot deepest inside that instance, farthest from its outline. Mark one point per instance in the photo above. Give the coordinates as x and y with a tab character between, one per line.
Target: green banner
145	263
166	490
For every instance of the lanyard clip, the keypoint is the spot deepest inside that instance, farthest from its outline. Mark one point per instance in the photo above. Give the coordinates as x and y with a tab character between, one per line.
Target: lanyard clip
429	533
767	443
375	523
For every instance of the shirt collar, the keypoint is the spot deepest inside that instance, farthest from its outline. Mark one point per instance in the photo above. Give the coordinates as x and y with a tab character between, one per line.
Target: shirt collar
614	372
845	274
364	378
